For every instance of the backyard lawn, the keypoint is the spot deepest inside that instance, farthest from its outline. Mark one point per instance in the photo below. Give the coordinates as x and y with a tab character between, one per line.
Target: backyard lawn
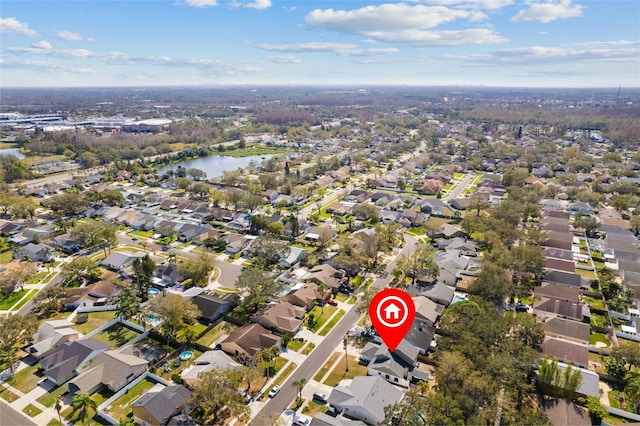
215	333
96	320
121	407
117	335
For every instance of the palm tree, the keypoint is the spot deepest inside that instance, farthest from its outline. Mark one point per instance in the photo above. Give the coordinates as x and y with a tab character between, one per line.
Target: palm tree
422	386
322	288
632	389
83	405
299	385
58	407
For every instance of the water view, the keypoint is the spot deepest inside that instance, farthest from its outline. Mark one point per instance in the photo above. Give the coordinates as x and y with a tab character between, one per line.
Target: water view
215	165
12	151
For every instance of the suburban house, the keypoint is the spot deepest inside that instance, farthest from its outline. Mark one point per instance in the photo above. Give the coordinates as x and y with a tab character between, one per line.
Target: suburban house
548	307
248	340
94	294
50	335
157	405
304	295
112	369
396	367
65	243
213	307
207	362
327	275
118	261
365	398
282	317
167	275
562	411
35	253
294	256
427	309
566	351
61	365
566	329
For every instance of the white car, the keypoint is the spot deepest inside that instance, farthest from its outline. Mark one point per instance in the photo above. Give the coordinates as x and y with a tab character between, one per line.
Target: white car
302	421
274	391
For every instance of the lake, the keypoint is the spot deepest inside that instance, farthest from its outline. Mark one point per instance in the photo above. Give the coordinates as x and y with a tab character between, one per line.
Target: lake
12	151
215	165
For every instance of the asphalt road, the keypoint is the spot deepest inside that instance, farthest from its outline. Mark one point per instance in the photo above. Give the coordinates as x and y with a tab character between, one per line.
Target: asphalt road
11	417
228	271
322	352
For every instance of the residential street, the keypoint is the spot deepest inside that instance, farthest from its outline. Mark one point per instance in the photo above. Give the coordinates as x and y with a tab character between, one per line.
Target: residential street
11	417
315	360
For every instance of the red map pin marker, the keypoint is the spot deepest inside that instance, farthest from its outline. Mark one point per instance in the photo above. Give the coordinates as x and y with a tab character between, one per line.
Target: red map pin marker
392	312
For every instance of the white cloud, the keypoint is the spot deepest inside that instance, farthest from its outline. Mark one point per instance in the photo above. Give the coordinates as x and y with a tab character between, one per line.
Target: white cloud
288	59
309	47
384	18
335	48
552	54
12	25
70	36
548	12
259	4
405	24
441	38
472	4
42	45
201	3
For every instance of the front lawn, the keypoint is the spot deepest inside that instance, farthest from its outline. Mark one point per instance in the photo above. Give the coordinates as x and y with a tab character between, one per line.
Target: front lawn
24	300
50	398
7	395
338	373
117	335
313	408
6	302
307	349
31	410
26	379
327	365
320	316
6	257
327	328
296	344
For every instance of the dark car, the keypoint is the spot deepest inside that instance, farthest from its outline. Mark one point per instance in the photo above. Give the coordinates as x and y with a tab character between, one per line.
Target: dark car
522	307
332	302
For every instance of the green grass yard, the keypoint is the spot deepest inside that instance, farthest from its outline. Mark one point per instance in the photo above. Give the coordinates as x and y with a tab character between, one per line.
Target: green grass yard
327	365
117	335
327	328
338	373
8	301
96	319
215	333
121	407
48	399
321	315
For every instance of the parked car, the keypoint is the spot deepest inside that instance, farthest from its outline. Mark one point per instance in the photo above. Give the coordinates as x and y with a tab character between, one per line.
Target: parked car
274	391
302	421
320	397
332	302
346	289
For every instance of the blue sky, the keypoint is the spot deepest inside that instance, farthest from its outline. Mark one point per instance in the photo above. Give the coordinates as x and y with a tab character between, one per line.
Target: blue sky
526	43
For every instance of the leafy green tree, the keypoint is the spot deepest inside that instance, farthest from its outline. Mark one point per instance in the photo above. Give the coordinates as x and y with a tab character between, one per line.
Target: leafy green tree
175	311
256	287
597	410
67	203
128	304
79	268
216	395
15	331
632	388
197	270
49	300
419	265
143	268
493	283
268	250
366	212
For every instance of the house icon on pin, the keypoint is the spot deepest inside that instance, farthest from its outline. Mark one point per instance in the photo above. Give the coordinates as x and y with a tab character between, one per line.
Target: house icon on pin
391	312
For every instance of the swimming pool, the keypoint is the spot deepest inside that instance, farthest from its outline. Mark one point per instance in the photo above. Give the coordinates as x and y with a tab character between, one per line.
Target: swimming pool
186	355
153	291
458	298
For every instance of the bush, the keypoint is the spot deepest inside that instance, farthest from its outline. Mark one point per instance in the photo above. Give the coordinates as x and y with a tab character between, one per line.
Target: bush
176	378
